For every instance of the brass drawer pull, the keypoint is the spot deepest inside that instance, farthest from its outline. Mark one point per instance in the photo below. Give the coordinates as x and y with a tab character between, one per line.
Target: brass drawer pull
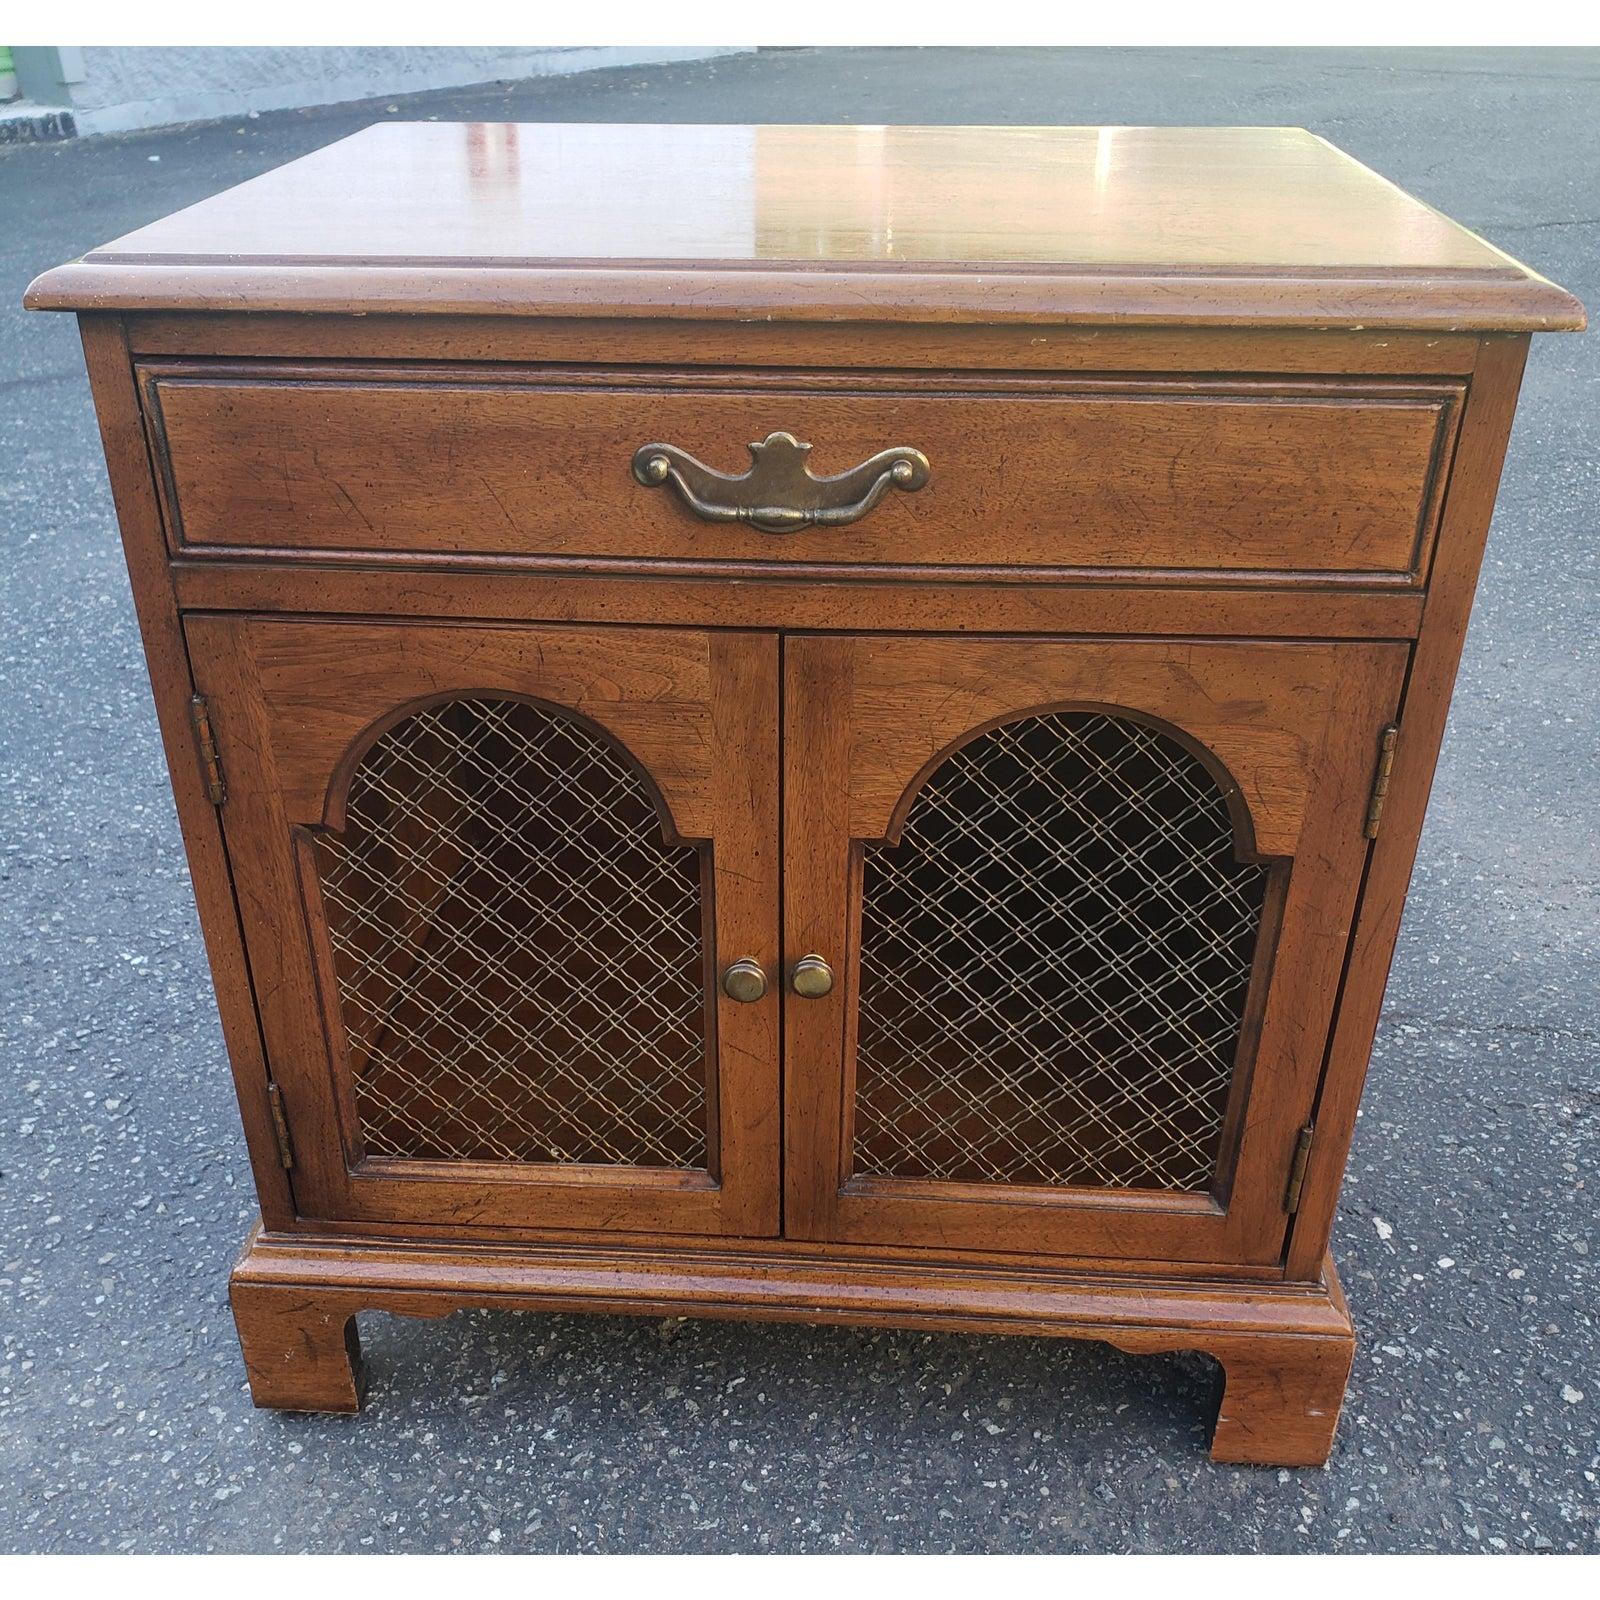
812	977
779	494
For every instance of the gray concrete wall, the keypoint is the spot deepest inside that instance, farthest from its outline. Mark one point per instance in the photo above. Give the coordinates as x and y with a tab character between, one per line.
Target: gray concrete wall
114	88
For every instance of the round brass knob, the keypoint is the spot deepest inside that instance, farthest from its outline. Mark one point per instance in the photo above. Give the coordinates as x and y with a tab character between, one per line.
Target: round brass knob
812	977
744	981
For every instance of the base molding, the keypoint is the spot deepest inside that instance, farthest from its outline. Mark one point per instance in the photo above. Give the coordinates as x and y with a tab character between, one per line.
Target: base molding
1285	1349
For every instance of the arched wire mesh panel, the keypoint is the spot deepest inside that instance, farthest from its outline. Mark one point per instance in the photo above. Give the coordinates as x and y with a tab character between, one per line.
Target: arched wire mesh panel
517	947
1054	965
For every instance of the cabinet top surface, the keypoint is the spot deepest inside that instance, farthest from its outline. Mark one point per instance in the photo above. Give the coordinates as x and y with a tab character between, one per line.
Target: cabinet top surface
1162	225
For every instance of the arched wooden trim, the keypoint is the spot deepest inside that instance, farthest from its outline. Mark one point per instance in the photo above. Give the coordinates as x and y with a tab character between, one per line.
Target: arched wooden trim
325	973
338	795
1244	833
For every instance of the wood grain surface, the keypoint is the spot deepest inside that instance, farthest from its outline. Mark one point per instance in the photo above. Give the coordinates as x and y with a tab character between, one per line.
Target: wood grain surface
1285	1351
295	704
1295	728
1152	225
1323	478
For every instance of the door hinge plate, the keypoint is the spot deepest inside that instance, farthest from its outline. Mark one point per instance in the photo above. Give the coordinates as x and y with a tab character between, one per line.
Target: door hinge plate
280	1124
1297	1170
1380	778
206	746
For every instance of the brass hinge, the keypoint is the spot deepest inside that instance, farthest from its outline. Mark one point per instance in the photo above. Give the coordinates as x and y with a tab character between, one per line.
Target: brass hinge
206	744
1380	778
280	1124
1297	1170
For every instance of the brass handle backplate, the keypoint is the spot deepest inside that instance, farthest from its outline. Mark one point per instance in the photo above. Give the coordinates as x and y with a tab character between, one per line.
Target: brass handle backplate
744	981
779	494
812	977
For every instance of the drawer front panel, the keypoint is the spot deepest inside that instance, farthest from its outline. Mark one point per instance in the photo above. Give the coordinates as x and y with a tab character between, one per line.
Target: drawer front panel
1320	479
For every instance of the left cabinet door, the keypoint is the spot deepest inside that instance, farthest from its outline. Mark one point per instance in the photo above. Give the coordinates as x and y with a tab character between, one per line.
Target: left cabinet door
490	879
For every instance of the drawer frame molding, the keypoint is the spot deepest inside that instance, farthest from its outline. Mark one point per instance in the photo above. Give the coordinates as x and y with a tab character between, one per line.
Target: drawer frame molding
481	511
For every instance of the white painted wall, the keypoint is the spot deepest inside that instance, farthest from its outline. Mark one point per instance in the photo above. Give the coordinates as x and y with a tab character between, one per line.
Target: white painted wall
114	88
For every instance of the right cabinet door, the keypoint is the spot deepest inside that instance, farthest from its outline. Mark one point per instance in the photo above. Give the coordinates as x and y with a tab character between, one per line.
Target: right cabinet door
1064	925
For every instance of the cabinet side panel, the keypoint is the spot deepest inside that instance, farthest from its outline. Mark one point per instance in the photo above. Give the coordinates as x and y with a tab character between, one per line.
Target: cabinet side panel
1469	504
138	513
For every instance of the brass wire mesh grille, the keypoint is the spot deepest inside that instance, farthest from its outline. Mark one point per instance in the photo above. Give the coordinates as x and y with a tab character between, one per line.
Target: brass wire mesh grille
1054	964
517	949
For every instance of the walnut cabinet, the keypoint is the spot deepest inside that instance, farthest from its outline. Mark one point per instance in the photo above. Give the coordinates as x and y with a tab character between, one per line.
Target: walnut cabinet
855	760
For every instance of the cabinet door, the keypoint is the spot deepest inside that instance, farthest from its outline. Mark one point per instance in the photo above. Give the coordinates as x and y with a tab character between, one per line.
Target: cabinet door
487	878
1085	905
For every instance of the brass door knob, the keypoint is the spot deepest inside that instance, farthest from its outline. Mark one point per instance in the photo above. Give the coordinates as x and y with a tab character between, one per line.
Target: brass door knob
744	981
812	977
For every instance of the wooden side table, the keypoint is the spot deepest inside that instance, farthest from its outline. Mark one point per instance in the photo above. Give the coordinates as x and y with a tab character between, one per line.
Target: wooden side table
819	723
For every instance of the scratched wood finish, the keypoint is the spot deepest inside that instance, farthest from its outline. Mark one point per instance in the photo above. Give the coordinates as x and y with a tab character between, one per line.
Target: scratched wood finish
1126	603
823	346
1318	478
1216	420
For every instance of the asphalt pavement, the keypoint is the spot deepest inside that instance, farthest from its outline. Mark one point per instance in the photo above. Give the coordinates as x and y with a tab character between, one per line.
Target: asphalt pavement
1468	1226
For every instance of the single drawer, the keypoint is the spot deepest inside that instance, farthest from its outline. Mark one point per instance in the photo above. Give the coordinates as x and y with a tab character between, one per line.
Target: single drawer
1331	478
